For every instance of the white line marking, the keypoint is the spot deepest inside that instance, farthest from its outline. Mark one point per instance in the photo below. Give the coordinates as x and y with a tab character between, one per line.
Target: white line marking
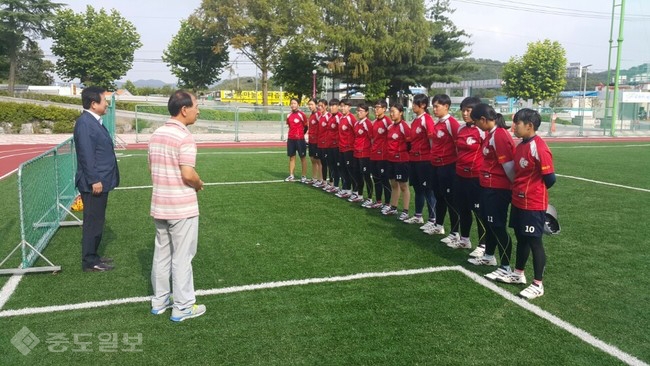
595	146
8	289
8	174
603	183
581	334
584	336
211	184
231	153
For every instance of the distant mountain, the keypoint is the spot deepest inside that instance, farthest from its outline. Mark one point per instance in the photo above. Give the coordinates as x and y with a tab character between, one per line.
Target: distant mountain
152	83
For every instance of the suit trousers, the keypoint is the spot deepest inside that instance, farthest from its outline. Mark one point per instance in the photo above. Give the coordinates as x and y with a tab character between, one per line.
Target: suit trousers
175	247
94	216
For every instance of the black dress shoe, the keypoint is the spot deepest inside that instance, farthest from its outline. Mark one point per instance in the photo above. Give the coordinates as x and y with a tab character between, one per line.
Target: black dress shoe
99	267
106	260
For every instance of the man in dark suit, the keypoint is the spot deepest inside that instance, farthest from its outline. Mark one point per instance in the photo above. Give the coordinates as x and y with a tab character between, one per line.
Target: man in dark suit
97	174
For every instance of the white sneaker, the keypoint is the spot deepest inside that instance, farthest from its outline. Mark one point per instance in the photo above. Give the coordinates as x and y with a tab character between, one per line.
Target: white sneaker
533	291
450	238
378	205
483	261
414	220
513	277
289	179
385	208
428	225
367	203
435	230
389	211
303	179
403	216
499	273
460	244
478	252
326	187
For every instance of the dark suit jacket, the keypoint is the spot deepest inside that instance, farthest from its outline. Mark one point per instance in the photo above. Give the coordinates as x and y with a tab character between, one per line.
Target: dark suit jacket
96	161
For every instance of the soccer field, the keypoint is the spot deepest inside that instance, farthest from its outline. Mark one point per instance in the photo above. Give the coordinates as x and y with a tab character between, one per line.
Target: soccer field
293	275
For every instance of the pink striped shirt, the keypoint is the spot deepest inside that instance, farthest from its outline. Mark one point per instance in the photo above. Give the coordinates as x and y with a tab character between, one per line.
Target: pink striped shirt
171	146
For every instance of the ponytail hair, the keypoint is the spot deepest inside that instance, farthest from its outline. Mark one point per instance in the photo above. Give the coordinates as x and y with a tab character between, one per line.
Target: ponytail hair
483	110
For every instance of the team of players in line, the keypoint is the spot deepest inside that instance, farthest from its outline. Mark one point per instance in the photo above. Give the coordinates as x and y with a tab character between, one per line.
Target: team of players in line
468	170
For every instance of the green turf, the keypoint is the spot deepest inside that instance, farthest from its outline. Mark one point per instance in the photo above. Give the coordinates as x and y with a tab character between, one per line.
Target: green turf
596	276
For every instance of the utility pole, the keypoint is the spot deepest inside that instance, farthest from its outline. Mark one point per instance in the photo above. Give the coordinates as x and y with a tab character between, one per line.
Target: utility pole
614	114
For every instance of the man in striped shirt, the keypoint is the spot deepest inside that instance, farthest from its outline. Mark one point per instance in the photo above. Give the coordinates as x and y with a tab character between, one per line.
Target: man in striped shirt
175	209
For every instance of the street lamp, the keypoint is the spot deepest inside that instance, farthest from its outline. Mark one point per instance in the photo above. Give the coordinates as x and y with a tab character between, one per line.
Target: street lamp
584	101
313	84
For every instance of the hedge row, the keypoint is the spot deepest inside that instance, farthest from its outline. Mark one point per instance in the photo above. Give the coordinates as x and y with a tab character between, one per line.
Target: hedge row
19	113
217	115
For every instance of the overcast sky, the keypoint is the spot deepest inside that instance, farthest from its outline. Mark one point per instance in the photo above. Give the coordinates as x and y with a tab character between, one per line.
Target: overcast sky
499	29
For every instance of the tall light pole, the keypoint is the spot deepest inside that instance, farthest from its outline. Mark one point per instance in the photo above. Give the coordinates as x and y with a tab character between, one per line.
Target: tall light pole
584	101
313	84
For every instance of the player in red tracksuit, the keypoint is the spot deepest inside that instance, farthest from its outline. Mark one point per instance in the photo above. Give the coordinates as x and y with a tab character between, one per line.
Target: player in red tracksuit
467	187
379	157
443	158
420	167
534	175
312	139
333	160
496	176
398	136
297	121
361	160
322	144
346	149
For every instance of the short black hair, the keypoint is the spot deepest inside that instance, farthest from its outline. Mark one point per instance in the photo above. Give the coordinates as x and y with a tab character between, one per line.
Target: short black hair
91	94
442	99
382	103
363	106
470	102
334	101
527	115
398	106
345	101
178	100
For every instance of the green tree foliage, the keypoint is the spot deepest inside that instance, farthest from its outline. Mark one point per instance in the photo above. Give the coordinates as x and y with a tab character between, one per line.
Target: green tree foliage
128	85
22	20
294	70
95	47
196	58
32	68
257	28
538	75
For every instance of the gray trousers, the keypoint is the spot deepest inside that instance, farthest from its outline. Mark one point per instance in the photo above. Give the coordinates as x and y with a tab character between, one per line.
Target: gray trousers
176	242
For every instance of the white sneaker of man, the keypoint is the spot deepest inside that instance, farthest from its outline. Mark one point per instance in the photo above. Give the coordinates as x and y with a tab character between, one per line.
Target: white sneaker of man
450	238
498	273
367	203
428	225
514	278
289	179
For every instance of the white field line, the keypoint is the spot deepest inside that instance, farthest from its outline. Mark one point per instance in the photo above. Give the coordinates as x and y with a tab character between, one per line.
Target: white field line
584	336
8	289
211	184
227	153
581	334
8	174
603	183
597	146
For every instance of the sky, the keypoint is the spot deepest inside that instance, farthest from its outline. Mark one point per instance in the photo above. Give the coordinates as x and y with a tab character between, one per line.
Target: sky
498	29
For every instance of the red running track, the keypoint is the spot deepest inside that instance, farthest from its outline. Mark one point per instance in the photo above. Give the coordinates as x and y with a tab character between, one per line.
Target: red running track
11	156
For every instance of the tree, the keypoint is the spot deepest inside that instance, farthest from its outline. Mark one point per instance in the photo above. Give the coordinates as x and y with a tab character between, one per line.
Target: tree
32	68
22	20
196	58
257	28
130	87
294	70
95	47
539	75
